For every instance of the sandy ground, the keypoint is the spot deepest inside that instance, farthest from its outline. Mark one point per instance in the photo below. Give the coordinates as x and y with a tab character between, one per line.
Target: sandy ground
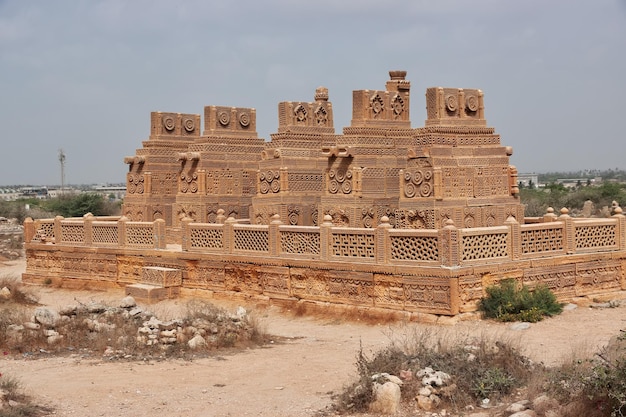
297	376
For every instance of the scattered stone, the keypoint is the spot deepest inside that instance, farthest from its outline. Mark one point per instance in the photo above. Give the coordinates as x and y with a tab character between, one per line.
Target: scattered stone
543	403
135	311
570	307
525	413
5	293
96	308
69	310
196	342
433	378
47	316
518	406
128	302
520	326
32	326
386	398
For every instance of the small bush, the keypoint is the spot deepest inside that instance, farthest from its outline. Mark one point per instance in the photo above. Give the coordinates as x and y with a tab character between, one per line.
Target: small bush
507	302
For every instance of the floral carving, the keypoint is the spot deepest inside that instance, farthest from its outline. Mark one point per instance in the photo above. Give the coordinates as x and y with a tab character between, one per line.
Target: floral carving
168	123
418	183
189	124
135	184
452	102
269	181
339	179
300	113
224	118
321	116
397	105
189	182
471	103
377	105
244	119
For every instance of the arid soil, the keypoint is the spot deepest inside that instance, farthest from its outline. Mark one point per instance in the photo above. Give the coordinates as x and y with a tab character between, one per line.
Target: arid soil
311	359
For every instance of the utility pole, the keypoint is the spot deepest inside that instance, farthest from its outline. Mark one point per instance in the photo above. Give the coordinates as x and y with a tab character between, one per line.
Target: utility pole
62	162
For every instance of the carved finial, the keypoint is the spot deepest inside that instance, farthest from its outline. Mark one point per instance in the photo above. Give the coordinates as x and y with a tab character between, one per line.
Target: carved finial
321	94
448	224
276	219
328	220
397	75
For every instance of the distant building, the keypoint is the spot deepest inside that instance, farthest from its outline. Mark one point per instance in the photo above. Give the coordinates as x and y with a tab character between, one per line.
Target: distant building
117	191
528	179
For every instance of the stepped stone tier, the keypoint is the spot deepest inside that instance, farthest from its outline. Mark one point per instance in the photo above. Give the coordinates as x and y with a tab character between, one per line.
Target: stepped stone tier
381	216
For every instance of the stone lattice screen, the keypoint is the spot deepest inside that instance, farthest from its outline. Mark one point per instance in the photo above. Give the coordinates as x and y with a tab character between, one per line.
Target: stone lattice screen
139	235
45	227
206	237
485	243
414	245
250	238
300	240
543	239
72	231
354	243
595	234
104	233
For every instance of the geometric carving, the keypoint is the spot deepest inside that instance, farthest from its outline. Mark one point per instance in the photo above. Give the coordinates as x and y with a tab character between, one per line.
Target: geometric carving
417	183
339	179
269	181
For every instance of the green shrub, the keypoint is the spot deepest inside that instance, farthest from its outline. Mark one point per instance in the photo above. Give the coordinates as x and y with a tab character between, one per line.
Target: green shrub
507	302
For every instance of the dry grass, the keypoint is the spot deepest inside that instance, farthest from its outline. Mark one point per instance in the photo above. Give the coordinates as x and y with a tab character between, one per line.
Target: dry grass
23	406
20	294
493	371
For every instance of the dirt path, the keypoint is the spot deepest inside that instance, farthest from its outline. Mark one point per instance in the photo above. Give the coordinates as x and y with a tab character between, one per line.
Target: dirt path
296	377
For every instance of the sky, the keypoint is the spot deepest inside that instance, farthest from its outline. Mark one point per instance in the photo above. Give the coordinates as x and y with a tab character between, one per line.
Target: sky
83	76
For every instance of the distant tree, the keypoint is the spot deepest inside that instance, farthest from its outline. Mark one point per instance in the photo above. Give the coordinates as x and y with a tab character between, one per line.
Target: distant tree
77	206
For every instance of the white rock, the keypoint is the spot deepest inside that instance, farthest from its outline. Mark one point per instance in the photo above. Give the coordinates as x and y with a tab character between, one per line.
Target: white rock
520	326
517	407
196	342
386	398
47	316
55	339
241	313
5	293
32	326
128	302
68	310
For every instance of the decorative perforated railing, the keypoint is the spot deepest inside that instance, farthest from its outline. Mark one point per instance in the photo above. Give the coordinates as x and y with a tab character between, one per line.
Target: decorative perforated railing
300	240
353	243
485	243
206	236
448	247
251	238
414	245
72	231
104	233
542	238
595	234
139	235
45	227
